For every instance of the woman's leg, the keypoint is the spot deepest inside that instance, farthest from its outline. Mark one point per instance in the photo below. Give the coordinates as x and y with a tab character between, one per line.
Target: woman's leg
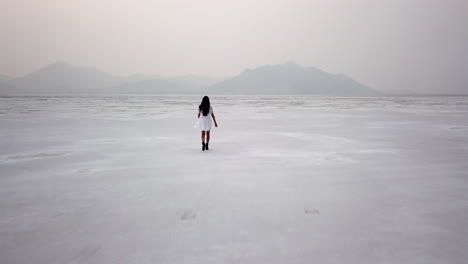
207	140
203	140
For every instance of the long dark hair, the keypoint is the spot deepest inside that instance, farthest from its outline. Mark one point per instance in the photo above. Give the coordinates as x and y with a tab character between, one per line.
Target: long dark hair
205	105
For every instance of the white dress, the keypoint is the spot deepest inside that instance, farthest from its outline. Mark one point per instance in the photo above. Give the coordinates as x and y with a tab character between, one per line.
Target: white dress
204	122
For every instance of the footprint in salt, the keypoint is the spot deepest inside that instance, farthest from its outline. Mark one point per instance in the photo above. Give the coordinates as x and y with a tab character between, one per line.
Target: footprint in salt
311	211
188	215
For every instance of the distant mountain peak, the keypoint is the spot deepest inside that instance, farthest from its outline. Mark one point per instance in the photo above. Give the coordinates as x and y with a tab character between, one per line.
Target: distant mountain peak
287	66
290	78
292	64
61	77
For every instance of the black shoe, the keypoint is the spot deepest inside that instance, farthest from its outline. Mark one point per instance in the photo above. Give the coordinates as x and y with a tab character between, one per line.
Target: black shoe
203	146
206	146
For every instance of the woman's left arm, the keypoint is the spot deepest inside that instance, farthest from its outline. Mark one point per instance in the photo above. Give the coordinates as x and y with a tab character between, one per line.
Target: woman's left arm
214	119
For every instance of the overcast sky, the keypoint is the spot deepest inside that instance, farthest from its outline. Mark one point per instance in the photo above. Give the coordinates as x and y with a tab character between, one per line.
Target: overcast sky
391	45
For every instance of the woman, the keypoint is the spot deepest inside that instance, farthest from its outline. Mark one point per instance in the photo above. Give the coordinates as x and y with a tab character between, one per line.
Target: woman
204	122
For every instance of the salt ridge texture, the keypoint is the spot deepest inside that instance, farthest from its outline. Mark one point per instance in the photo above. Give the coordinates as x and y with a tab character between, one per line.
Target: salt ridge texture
287	179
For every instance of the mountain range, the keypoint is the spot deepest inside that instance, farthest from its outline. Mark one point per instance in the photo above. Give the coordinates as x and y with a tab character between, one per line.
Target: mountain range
287	78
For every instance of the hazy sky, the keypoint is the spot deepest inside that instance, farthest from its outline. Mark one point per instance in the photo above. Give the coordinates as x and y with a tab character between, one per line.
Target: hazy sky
391	45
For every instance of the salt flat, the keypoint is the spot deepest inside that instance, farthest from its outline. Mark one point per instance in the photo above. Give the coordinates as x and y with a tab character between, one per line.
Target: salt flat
288	179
